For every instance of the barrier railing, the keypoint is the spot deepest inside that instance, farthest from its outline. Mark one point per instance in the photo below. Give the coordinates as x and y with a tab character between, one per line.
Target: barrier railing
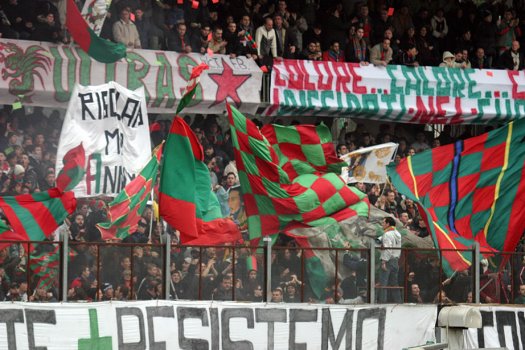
40	271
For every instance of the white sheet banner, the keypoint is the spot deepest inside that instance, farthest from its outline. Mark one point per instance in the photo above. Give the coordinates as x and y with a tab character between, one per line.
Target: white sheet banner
112	124
213	325
44	74
422	95
503	327
368	164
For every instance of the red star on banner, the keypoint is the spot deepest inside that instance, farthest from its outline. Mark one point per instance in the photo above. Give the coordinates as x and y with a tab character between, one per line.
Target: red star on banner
228	84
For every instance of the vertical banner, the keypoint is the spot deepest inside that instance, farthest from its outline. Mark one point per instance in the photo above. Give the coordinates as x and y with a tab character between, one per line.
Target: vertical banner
112	124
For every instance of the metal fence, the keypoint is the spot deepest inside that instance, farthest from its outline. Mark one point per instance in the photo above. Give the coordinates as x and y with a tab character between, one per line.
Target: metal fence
75	271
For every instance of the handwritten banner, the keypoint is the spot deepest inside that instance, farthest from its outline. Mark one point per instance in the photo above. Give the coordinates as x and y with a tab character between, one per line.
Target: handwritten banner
422	95
44	74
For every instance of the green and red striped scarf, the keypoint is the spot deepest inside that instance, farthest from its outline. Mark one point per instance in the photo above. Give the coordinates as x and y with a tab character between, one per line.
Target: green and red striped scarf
126	209
98	48
471	190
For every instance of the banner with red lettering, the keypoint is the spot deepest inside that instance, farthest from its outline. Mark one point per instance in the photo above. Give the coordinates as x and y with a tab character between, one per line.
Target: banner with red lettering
421	95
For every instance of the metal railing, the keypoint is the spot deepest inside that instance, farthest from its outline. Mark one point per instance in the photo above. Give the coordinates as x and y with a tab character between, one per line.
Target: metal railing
95	271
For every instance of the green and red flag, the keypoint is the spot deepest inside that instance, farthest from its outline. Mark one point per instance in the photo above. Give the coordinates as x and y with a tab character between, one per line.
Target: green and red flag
248	37
468	191
193	82
35	216
277	200
186	199
74	169
45	264
98	48
126	209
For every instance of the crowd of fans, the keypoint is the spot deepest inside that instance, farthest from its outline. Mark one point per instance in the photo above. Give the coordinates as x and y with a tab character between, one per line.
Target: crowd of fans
460	33
430	33
27	158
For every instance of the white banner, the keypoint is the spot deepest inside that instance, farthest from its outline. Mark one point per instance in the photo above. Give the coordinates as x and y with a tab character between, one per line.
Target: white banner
503	327
368	164
44	74
213	325
112	124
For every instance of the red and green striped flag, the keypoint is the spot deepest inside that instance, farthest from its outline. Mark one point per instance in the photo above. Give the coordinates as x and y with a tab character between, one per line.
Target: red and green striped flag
74	169
33	217
125	210
45	265
468	191
98	48
248	37
189	91
277	200
186	199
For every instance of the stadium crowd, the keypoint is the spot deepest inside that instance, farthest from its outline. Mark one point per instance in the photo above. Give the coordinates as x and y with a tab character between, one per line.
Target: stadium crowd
460	33
446	33
133	269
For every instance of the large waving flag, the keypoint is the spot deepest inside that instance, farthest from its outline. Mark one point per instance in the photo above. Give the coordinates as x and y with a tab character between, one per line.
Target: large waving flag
125	210
472	190
277	199
33	217
186	199
100	49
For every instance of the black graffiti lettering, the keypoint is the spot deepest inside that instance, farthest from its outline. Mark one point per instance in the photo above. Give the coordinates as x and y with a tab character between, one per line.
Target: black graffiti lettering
505	319
487	320
85	99
328	331
115	178
238	63
113	100
214	322
365	314
270	316
117	137
136	312
10	317
297	315
521	324
157	311
37	316
132	113
191	312
105	103
226	315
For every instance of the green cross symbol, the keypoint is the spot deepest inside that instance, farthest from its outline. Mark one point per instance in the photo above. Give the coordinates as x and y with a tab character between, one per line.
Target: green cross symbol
94	342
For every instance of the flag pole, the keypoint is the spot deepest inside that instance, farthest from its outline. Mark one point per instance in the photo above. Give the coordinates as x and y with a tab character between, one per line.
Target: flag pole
167	263
152	215
268	241
65	255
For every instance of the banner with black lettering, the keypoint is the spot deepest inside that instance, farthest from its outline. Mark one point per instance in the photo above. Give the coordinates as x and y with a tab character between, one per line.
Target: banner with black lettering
112	124
213	325
502	327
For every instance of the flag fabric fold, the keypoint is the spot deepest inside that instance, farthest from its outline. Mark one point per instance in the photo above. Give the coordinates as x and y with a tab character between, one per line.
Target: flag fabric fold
74	169
186	199
471	190
193	82
45	264
98	48
126	209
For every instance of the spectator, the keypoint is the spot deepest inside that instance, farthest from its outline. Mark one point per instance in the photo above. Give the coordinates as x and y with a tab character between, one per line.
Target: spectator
266	41
179	41
425	47
415	294
47	29
402	20
335	28
334	53
388	275
277	295
513	58
408	39
379	26
314	34
409	57
480	61
286	43
311	53
508	31
459	59
357	49
421	143
486	36
217	44
16	23
381	54
439	29
200	39
364	22
144	28
125	31
520	299
448	60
